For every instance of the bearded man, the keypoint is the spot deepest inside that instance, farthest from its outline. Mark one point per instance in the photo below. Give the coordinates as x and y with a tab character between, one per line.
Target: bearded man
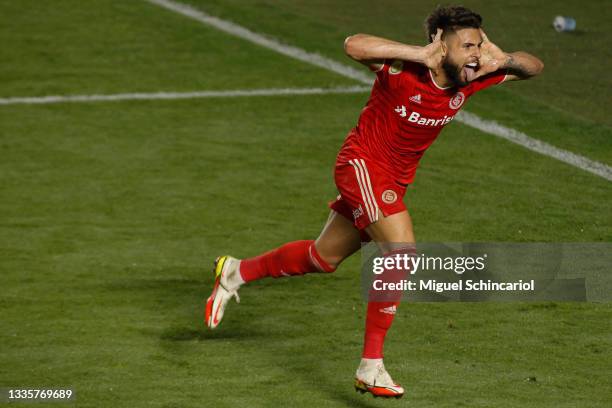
418	90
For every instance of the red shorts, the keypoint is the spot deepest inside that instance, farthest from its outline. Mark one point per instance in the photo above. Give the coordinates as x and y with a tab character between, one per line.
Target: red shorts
364	191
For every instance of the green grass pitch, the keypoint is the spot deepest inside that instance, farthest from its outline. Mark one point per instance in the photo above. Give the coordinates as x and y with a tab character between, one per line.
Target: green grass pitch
112	213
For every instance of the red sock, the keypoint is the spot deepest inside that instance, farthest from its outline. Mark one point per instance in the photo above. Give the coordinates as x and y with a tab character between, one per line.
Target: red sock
378	320
293	258
382	308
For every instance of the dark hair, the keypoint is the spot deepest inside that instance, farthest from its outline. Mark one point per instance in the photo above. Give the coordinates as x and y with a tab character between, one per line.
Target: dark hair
450	18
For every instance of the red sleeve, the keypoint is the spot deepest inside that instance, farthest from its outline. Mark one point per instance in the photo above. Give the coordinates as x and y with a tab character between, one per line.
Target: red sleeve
494	78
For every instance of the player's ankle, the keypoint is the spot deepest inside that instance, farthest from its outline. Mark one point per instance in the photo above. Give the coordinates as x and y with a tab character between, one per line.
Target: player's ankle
235	279
367	364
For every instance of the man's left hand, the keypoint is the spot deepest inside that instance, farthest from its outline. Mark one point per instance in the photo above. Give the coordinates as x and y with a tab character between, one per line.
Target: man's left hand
492	57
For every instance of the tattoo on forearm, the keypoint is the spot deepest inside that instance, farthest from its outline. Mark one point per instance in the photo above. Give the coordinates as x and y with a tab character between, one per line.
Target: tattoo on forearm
517	68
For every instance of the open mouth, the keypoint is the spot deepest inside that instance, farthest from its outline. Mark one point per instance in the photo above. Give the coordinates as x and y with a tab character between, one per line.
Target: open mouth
469	71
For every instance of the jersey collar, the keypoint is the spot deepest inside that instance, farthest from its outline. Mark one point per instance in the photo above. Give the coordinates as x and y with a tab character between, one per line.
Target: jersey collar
433	81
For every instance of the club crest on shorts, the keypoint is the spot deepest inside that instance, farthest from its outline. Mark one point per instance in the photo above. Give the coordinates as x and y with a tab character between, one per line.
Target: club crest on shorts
357	212
457	100
389	196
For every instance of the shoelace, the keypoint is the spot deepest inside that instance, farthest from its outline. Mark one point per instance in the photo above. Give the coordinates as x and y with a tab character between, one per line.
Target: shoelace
380	369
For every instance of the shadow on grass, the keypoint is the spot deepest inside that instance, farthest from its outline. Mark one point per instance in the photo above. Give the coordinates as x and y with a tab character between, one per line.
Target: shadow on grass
176	299
179	334
342	392
169	293
361	401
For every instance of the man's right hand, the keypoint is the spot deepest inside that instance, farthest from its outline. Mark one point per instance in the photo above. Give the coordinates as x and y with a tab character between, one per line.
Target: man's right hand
434	53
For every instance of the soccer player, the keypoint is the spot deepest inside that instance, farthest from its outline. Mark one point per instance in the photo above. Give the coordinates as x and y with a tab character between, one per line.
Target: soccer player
418	90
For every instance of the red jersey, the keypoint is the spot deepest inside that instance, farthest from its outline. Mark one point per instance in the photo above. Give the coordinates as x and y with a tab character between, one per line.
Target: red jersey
403	116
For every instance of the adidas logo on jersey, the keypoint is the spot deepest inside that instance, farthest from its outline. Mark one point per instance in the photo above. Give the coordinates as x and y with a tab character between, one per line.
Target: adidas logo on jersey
416	98
389	310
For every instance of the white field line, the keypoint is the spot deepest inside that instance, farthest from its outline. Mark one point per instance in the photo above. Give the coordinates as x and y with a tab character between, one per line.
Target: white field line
264	41
469	119
536	145
37	100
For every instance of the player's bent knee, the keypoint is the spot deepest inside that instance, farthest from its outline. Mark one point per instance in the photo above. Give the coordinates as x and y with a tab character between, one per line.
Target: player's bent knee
395	228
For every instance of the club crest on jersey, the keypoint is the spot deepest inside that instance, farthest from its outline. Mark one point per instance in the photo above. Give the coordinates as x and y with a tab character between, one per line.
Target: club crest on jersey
389	196
457	100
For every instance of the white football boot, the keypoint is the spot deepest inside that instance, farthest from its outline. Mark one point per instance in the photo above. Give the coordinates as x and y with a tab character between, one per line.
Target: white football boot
227	282
372	377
